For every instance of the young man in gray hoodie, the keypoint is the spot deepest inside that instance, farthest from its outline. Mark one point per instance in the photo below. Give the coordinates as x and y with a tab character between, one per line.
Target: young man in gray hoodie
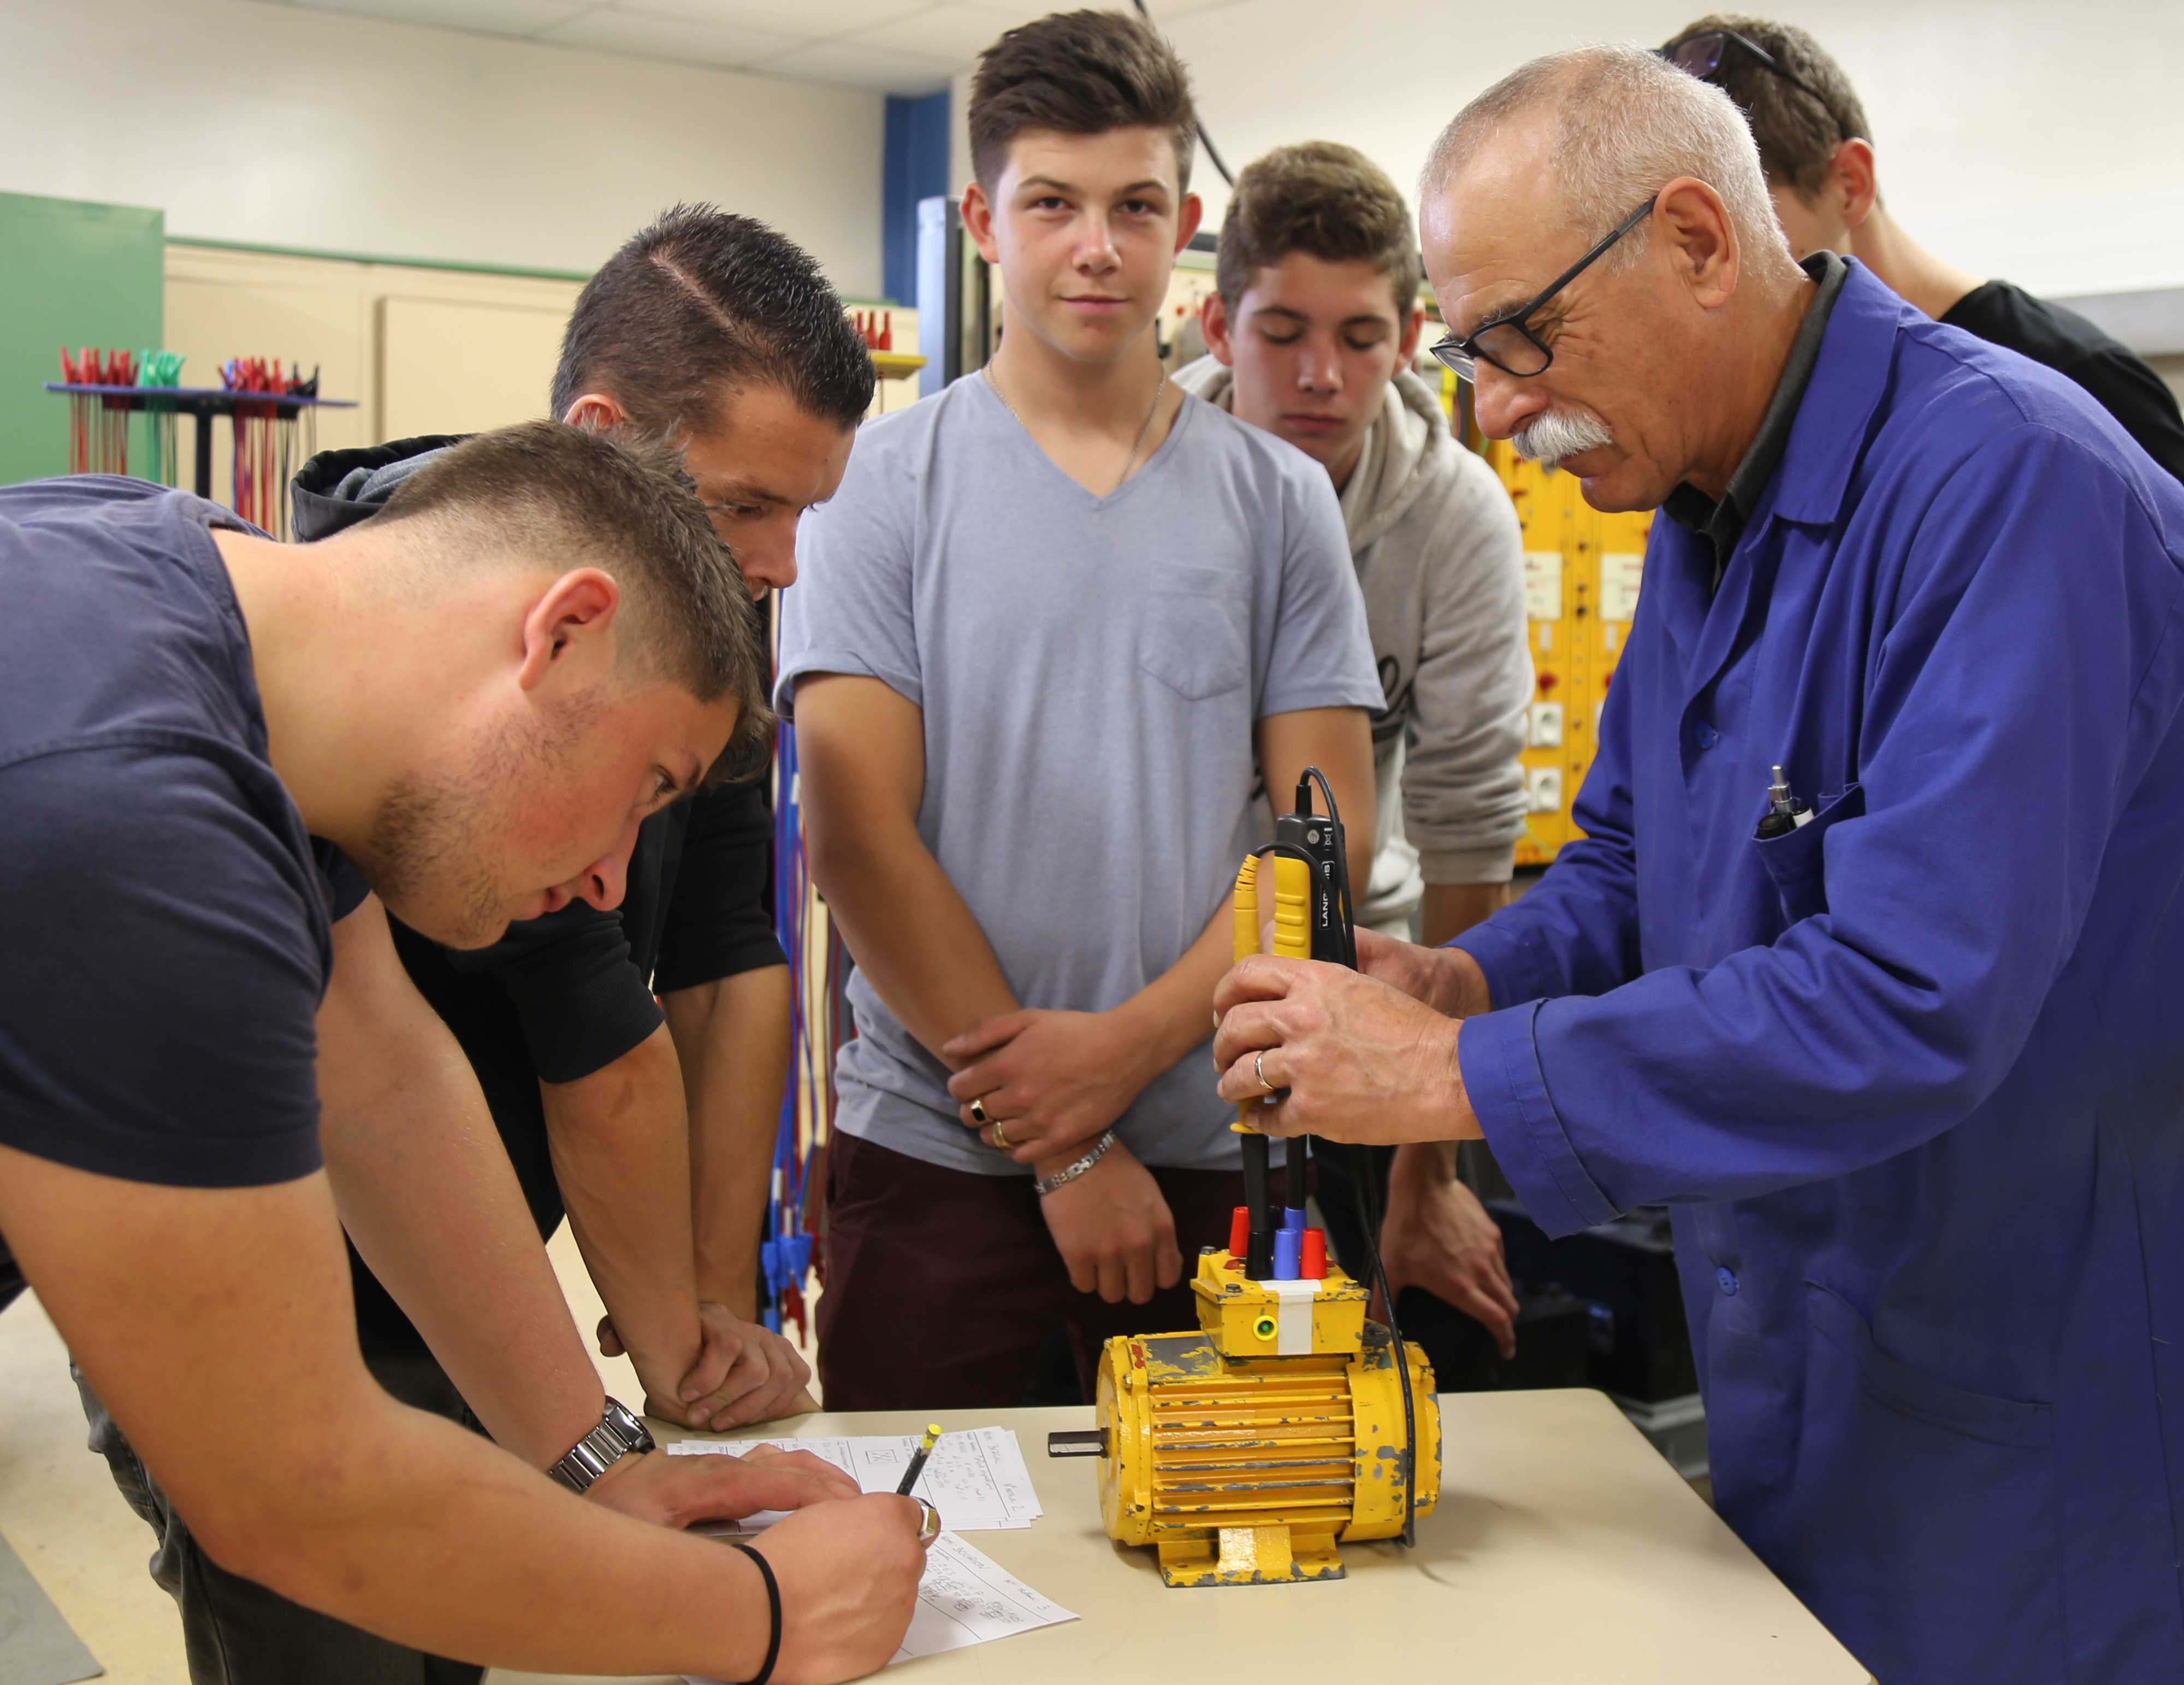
1312	333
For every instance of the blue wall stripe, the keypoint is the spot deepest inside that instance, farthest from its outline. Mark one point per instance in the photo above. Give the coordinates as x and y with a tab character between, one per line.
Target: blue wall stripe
914	167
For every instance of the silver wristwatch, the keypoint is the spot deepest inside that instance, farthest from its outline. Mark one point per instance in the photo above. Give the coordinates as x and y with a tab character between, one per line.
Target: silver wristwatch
1068	1173
618	1434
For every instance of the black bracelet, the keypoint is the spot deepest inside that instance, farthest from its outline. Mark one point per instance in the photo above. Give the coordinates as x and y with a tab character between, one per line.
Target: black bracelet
773	1611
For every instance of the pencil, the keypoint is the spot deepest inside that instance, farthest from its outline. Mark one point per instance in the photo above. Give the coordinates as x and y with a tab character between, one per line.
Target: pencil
917	1461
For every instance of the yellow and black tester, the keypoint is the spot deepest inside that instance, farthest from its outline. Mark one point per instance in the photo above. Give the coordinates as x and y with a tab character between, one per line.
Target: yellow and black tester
1245	1451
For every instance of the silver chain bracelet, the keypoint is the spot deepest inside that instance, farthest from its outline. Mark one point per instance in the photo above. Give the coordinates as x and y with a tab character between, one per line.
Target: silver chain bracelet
1043	1185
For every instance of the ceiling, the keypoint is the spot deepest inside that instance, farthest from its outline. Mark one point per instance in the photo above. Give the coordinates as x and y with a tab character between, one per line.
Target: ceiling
903	46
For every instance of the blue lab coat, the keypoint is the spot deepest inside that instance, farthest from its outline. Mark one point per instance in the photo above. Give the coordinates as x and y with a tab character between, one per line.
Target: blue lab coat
1911	1077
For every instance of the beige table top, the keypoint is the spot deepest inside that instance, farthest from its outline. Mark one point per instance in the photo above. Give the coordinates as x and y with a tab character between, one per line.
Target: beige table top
1564	1551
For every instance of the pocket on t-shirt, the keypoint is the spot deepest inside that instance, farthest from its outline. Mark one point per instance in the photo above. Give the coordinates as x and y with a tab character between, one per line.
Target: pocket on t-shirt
1197	636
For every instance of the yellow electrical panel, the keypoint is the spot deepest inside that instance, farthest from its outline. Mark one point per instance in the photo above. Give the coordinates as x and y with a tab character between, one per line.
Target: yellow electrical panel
1582	572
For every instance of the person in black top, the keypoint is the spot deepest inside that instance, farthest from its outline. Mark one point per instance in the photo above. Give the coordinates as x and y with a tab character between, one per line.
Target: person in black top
712	331
584	1076
585	1073
211	745
1818	153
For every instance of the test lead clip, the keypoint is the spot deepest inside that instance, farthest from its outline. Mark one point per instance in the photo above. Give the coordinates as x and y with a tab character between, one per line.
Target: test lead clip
1259	1236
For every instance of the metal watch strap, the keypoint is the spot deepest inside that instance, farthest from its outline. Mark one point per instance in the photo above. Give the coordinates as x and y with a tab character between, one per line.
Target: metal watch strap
618	1434
1069	1173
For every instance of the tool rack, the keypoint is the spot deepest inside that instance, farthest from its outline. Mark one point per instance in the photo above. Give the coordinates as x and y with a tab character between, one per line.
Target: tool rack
202	403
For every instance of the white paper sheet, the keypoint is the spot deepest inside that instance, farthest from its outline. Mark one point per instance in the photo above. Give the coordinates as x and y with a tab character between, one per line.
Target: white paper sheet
966	1598
975	1478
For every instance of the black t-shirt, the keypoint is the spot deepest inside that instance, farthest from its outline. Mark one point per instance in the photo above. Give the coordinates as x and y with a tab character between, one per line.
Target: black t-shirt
164	922
2064	341
560	998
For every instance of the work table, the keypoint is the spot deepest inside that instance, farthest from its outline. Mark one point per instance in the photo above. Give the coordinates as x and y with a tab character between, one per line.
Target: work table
1564	1551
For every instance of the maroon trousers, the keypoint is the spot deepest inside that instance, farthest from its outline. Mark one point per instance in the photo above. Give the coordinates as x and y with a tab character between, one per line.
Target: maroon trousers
943	1287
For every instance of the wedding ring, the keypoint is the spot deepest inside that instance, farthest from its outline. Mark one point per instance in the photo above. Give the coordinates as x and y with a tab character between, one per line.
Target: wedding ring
1259	1070
1000	1140
928	1522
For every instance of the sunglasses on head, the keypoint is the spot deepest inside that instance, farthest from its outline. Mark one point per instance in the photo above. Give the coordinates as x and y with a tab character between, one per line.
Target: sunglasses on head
1702	56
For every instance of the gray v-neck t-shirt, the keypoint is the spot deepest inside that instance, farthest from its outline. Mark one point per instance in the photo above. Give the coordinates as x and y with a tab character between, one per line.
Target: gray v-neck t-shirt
1090	671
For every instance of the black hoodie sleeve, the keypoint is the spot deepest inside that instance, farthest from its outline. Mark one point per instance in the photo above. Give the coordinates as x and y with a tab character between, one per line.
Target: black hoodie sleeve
577	984
579	998
719	921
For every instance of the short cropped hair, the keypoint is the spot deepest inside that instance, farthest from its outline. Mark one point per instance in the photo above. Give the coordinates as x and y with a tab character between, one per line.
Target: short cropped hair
1327	200
1626	123
567	497
1079	73
700	303
1797	134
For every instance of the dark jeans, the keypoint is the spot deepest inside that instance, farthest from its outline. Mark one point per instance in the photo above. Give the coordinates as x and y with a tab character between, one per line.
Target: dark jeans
944	1287
234	1630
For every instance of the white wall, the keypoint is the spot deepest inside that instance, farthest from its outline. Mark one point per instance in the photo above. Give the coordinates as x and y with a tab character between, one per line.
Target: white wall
2021	137
289	127
2026	138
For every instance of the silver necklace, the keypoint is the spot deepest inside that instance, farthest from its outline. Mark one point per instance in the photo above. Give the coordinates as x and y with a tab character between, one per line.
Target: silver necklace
1129	461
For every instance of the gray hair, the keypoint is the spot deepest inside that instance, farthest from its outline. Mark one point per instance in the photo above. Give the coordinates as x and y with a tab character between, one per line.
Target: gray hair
1626	123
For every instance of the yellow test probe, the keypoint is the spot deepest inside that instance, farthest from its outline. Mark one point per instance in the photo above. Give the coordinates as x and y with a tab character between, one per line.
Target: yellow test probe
1248	1450
1292	886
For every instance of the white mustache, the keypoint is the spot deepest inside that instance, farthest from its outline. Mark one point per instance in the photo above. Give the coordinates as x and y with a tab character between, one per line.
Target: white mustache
1556	437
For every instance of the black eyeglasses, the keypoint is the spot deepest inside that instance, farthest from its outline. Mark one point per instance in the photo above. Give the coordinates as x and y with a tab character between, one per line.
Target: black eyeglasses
1702	55
1508	341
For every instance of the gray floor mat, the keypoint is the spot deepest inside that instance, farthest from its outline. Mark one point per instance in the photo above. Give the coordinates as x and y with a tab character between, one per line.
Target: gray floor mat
36	1646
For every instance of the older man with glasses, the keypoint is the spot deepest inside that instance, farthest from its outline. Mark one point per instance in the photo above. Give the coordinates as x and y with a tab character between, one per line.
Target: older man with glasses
1868	961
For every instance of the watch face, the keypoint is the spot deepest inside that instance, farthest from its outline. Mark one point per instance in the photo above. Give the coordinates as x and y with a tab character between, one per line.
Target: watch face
634	1433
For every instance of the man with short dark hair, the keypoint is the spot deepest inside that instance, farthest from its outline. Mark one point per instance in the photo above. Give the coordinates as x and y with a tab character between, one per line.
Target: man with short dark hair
712	332
1817	149
1056	620
1866	963
699	297
651	1122
1312	331
476	701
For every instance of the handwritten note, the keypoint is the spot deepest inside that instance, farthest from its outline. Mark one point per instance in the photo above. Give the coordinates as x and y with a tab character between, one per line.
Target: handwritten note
966	1598
975	1478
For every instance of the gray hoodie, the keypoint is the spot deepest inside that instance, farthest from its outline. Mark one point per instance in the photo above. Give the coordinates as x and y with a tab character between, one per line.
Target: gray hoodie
1439	556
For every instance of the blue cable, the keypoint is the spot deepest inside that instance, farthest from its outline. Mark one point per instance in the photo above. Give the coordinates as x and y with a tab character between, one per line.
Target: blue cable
785	1251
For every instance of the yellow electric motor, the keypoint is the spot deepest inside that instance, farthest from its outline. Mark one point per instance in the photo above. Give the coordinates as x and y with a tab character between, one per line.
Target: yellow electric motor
1245	1451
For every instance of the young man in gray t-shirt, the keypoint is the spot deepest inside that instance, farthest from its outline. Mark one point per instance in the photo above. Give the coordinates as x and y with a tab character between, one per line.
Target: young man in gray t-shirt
1050	629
